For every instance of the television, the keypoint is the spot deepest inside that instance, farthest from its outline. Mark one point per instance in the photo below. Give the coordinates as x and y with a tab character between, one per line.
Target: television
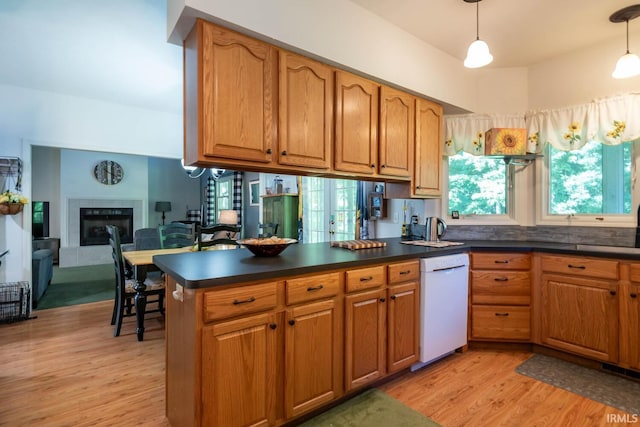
40	220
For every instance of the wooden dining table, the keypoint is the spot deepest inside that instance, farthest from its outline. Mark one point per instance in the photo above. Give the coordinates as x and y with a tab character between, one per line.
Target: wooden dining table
141	262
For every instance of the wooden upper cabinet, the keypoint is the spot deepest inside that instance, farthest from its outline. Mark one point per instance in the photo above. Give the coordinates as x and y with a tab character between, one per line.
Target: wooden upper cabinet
428	156
356	144
396	143
230	83
306	112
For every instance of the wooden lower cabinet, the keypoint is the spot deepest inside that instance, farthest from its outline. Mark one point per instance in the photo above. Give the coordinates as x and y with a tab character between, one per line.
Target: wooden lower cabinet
630	319
500	322
239	372
312	356
580	315
365	333
403	328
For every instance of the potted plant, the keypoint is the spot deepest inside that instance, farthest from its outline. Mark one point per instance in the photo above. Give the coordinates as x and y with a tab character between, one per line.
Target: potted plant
11	203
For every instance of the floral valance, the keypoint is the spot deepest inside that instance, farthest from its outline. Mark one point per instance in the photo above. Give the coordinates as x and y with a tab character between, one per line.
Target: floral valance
610	121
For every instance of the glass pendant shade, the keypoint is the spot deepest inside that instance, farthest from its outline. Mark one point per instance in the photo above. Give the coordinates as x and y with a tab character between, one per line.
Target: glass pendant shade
627	66
478	55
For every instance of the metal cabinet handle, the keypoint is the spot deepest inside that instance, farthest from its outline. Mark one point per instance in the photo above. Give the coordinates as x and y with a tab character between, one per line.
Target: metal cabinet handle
393	297
501	279
284	152
612	292
500	261
373	165
236	302
316	288
382	299
366	279
268	150
402	273
581	267
383	166
292	322
633	295
273	326
502	314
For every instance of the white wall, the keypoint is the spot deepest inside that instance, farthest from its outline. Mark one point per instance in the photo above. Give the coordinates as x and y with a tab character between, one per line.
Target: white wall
579	77
169	182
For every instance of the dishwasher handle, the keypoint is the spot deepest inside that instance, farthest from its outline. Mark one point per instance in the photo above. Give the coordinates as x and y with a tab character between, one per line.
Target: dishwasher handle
447	268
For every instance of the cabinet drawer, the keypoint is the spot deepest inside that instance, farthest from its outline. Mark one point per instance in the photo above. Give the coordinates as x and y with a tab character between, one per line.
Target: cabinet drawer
312	288
238	301
404	272
580	266
634	272
500	261
501	287
500	322
365	278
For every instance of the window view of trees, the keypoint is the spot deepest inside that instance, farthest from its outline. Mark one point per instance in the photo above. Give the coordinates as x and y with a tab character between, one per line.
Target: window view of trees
593	180
477	185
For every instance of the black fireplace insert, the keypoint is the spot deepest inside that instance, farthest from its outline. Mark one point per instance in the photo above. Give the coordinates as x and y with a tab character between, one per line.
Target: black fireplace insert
93	222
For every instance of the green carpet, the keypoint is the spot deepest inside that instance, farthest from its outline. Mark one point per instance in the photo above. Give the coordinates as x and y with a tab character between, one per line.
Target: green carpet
79	285
373	408
600	386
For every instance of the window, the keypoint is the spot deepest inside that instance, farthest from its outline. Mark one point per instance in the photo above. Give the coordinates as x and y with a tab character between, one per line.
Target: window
595	180
478	185
325	200
224	194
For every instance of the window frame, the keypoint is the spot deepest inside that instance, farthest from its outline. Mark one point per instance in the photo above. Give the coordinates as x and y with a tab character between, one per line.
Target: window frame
485	219
544	217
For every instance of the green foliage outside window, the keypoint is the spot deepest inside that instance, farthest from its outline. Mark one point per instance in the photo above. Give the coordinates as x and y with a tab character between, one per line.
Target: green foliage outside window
593	180
477	185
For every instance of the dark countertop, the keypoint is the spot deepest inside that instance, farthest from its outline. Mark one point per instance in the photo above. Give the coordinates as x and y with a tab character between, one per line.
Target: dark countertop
195	270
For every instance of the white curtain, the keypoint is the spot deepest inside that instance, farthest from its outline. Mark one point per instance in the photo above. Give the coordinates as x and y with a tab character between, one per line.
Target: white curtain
466	131
610	121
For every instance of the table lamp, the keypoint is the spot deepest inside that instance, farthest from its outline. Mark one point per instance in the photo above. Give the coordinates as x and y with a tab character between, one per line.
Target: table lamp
228	217
163	207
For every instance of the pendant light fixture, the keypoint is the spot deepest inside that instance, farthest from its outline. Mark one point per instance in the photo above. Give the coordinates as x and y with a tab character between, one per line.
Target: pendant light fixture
629	64
478	54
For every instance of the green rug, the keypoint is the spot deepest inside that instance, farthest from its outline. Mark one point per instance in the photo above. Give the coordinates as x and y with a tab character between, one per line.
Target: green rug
79	285
600	386
373	408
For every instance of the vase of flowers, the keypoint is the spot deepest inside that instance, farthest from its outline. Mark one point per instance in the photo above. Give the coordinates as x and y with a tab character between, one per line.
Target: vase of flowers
11	203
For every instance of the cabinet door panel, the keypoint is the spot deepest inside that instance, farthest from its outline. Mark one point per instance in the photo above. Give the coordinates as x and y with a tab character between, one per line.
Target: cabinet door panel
365	337
312	356
500	287
238	100
580	315
397	111
306	112
239	372
428	163
403	326
630	324
356	144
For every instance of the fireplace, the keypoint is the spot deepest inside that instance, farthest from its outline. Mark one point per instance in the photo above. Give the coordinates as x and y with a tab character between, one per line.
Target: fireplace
93	221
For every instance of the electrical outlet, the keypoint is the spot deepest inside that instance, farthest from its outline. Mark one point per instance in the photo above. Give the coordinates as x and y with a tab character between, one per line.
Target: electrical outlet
395	217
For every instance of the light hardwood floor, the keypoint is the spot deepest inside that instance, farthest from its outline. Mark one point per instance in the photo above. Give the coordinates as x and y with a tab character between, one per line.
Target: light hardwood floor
65	368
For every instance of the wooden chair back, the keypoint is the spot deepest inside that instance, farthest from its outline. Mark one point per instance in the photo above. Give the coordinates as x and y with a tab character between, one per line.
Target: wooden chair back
222	234
268	229
176	235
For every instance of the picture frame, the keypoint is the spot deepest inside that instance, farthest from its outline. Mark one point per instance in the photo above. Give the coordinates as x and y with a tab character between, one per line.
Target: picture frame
254	193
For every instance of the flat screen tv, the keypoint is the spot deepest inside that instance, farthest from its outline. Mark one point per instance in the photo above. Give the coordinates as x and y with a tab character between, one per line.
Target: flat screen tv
40	220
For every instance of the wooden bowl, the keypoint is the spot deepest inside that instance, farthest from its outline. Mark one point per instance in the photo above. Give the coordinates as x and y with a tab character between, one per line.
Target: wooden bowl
267	247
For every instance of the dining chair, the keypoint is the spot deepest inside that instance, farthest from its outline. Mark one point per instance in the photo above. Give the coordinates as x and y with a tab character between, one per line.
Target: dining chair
125	288
176	235
218	234
268	229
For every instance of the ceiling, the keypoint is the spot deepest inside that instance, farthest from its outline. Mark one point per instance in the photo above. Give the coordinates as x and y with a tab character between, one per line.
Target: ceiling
519	32
116	50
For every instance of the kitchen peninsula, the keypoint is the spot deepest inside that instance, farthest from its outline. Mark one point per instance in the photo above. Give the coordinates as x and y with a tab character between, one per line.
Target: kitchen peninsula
262	341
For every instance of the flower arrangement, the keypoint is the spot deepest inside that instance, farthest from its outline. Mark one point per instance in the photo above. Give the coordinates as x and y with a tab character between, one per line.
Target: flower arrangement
11	203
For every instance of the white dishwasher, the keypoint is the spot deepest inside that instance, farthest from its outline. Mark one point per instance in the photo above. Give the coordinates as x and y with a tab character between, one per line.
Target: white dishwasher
444	289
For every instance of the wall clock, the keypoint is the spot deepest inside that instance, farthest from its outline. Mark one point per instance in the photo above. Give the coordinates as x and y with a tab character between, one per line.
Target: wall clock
108	172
